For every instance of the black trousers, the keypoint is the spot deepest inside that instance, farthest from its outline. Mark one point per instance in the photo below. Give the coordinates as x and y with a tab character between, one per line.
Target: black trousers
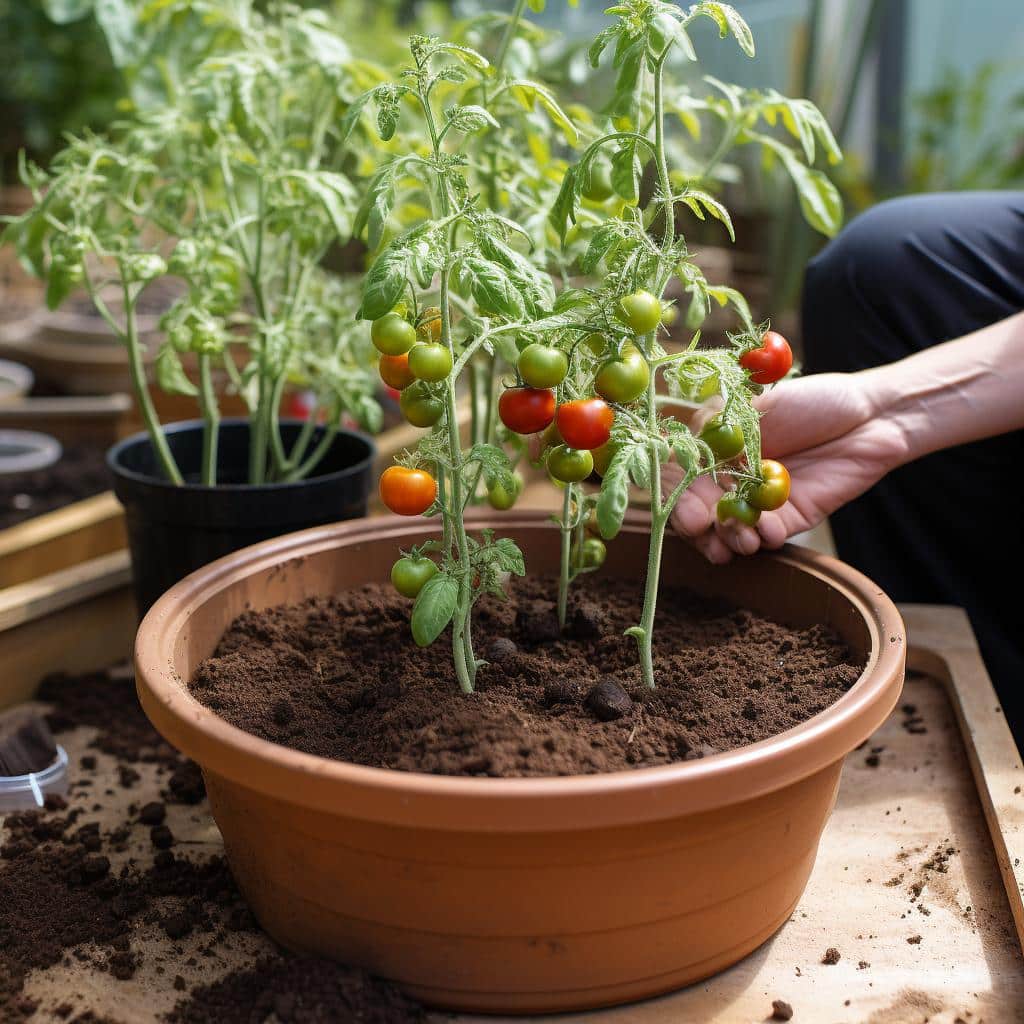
948	528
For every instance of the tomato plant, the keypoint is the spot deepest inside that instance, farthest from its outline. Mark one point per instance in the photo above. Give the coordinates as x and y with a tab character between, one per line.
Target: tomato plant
395	371
624	378
430	361
640	312
410	574
542	366
723	438
392	334
421	406
570	465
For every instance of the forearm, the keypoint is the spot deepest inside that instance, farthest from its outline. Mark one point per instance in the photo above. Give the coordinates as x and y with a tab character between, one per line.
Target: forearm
954	393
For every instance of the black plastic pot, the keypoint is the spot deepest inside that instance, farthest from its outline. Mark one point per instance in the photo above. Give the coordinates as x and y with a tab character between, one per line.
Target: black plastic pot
173	530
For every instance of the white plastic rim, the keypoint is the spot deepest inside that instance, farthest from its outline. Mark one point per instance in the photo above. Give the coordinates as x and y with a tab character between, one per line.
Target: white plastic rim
16	380
29	792
24	451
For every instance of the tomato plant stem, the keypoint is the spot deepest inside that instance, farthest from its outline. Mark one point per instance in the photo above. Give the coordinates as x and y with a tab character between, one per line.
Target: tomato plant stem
138	374
566	528
211	421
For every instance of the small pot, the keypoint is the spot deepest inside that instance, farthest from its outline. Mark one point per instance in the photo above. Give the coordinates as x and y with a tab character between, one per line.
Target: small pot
520	895
173	530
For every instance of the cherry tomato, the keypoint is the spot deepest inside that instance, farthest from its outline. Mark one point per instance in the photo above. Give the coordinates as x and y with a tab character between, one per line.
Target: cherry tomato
429	324
430	361
707	387
503	498
392	334
732	506
570	465
603	457
597	182
407	492
526	410
419	406
590	554
395	372
640	312
773	491
771	362
410	574
724	439
542	366
623	379
669	315
586	423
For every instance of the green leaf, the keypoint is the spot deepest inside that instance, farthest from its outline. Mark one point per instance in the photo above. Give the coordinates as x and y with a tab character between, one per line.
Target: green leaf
820	202
602	242
626	172
327	48
170	374
527	93
566	204
536	287
351	116
433	609
375	208
385	282
695	199
335	193
723	295
497	467
508	557
493	290
728	20
470	118
465	53
613	499
117	20
598	46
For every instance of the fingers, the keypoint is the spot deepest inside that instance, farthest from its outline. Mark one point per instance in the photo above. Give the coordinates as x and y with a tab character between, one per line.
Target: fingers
772	529
695	510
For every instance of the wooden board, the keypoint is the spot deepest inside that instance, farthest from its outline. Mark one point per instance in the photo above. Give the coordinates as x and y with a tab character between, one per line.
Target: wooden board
885	874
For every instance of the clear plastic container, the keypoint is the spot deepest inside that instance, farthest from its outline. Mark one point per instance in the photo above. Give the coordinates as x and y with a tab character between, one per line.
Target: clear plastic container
29	792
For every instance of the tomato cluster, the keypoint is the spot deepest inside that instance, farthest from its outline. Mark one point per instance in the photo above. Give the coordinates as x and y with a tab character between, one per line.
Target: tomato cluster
410	355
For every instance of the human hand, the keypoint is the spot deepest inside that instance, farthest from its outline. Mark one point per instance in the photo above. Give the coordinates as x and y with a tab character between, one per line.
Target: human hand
827	431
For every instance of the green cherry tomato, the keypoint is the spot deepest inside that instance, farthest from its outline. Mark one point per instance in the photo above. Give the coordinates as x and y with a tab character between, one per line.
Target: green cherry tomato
410	574
724	439
419	406
542	366
392	335
732	506
430	361
623	379
590	554
705	388
773	491
570	465
640	312
503	498
597	182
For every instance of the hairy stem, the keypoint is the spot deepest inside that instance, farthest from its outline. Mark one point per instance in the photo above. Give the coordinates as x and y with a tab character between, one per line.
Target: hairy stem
565	527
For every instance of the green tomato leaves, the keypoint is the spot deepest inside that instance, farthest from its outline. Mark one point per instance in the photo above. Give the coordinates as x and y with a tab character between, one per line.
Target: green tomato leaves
434	608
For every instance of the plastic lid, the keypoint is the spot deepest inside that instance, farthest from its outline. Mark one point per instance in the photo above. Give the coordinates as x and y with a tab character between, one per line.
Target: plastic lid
29	792
23	451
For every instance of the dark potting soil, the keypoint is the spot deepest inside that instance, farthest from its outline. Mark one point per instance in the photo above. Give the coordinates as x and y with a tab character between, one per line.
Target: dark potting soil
80	473
341	677
69	894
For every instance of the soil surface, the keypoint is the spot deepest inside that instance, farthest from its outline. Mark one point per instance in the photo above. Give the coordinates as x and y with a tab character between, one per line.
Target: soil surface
127	898
341	677
80	473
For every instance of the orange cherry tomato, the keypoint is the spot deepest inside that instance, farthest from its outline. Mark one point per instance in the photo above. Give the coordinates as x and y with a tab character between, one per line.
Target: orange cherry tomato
407	492
773	491
395	372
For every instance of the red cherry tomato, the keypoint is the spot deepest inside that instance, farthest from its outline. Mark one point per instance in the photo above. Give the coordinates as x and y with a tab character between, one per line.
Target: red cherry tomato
771	362
407	492
526	410
586	423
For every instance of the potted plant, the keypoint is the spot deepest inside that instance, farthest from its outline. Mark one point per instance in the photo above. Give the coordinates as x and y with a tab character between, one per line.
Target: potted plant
212	194
328	740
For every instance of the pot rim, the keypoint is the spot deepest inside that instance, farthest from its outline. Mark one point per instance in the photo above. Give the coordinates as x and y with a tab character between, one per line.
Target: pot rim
115	451
559	803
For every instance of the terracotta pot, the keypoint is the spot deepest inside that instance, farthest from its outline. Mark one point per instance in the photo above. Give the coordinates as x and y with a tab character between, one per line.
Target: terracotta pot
520	895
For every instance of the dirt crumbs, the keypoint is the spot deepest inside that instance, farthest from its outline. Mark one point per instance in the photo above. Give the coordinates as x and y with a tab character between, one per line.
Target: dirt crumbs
299	990
342	678
832	956
90	885
781	1010
80	473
